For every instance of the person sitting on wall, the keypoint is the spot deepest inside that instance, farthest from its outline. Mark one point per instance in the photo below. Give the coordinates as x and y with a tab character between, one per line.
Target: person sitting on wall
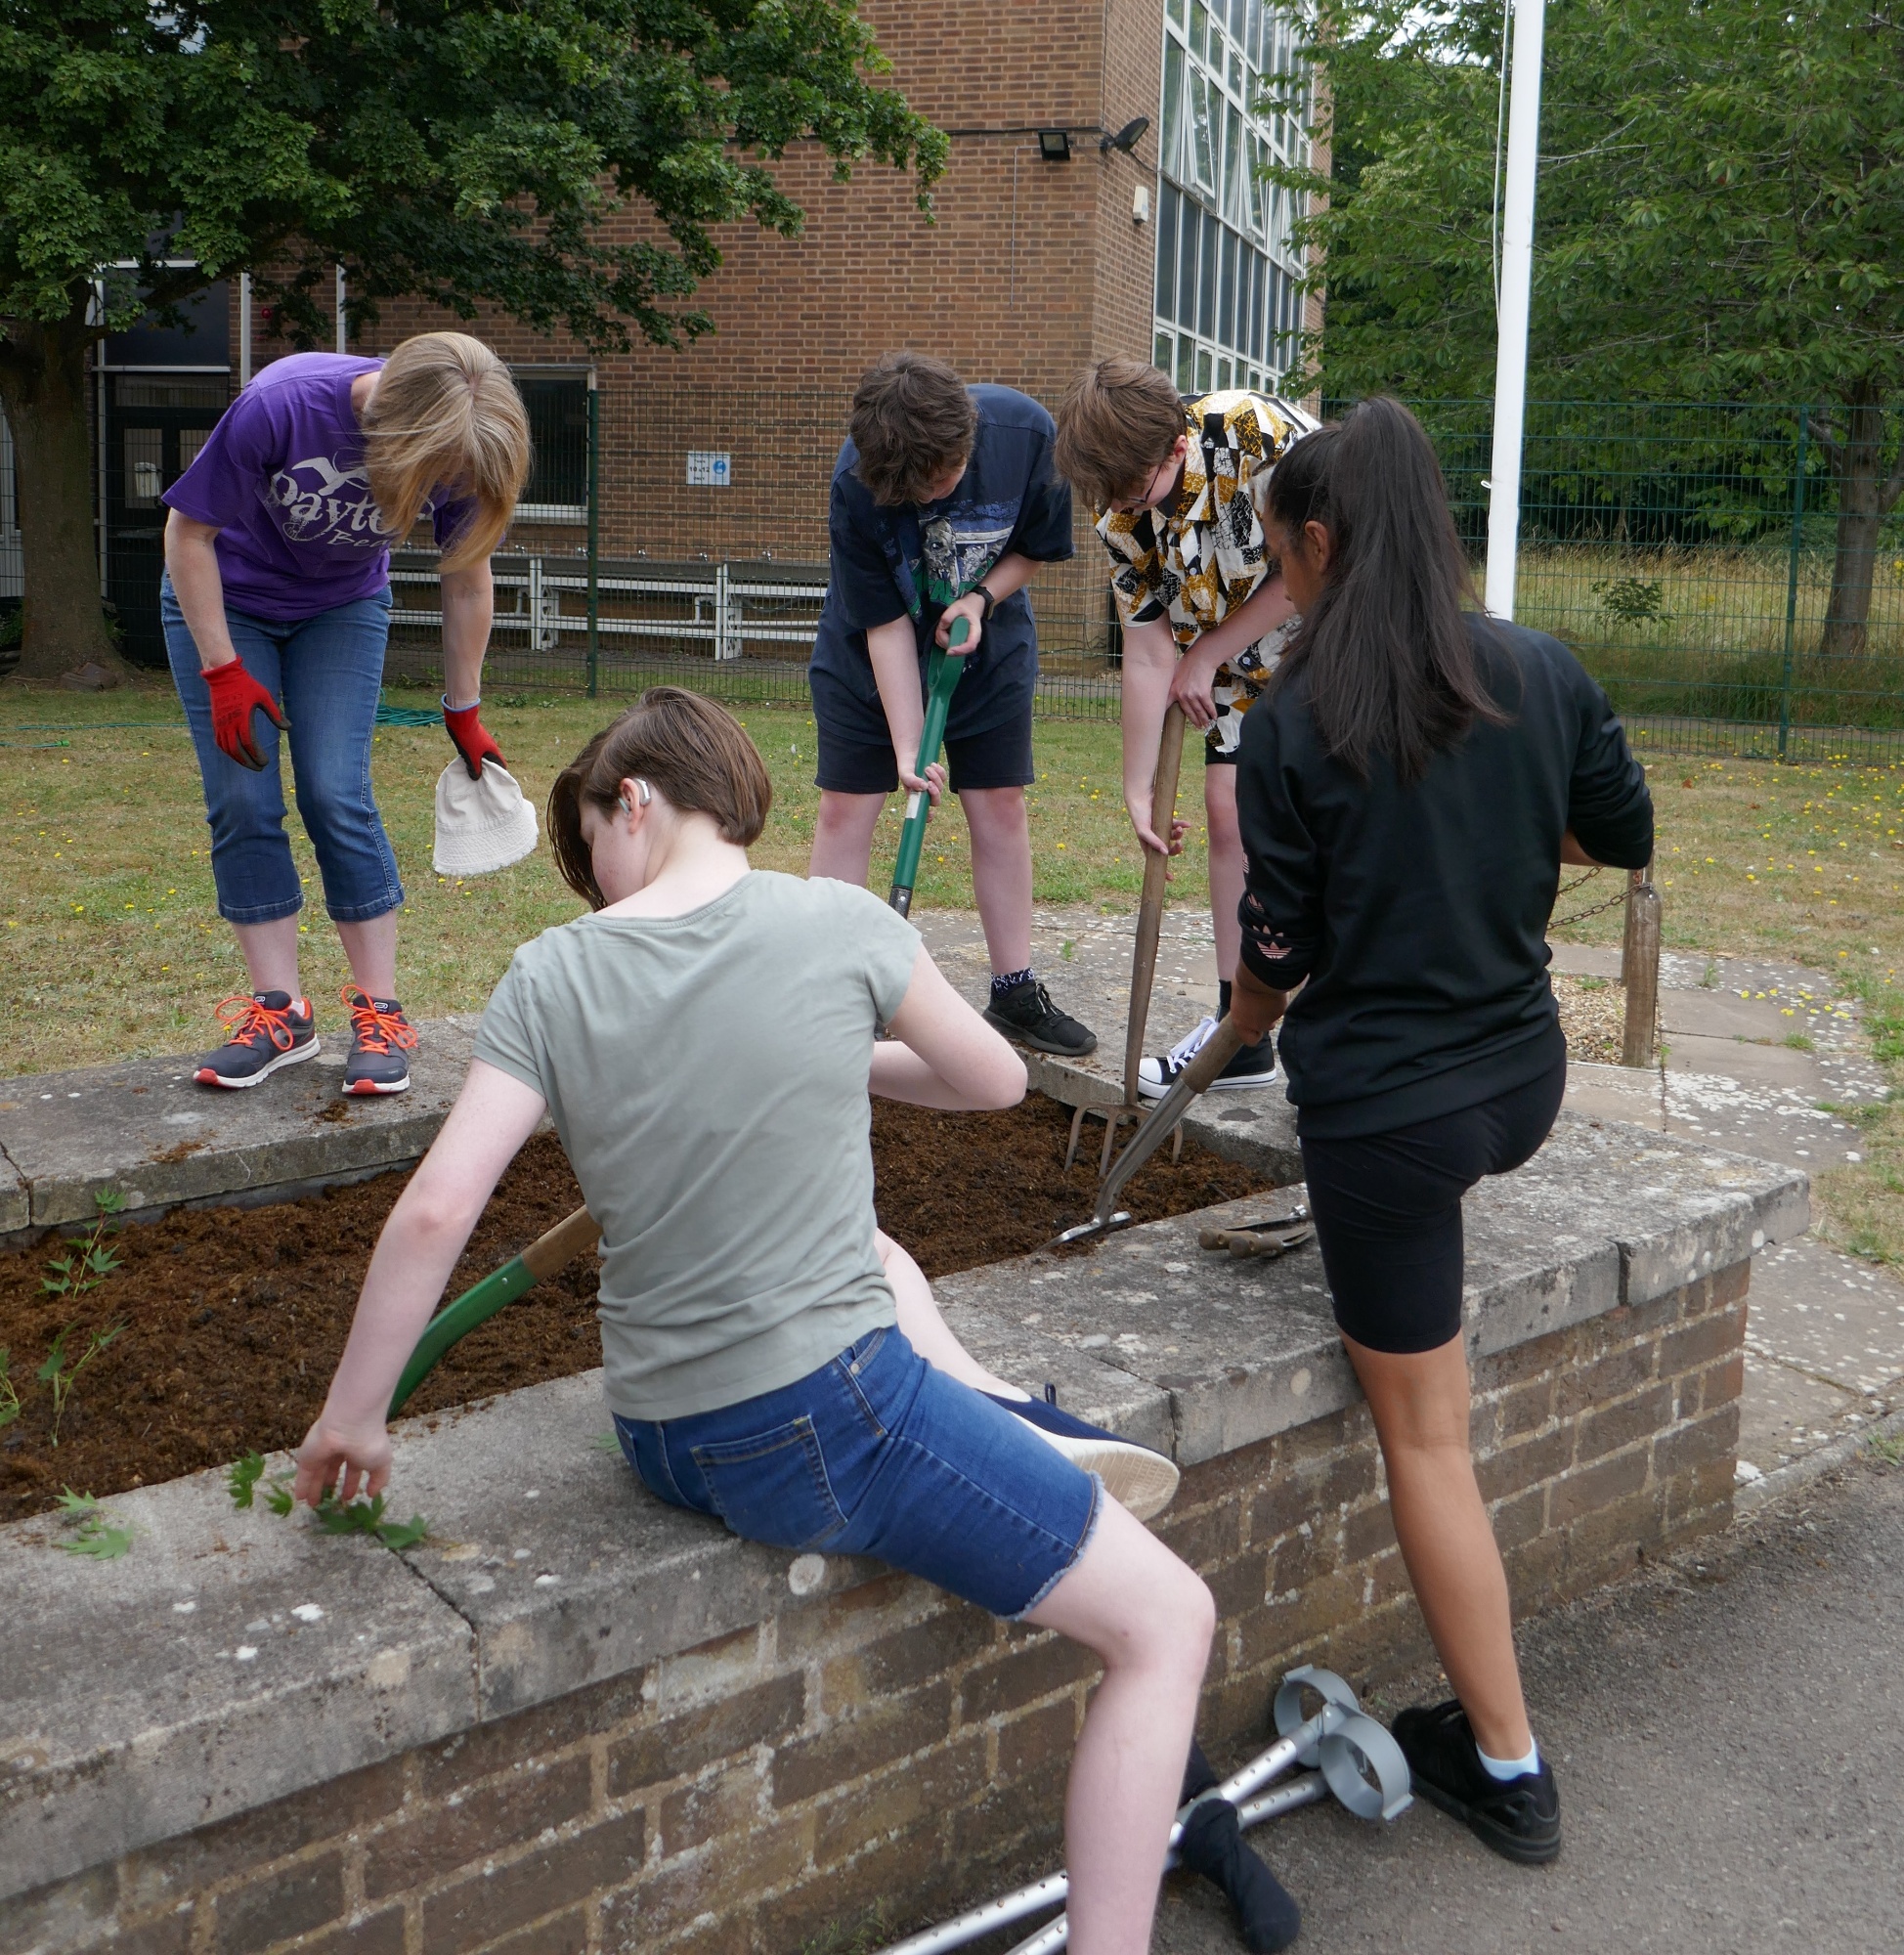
276	602
1181	487
1408	789
708	1028
942	506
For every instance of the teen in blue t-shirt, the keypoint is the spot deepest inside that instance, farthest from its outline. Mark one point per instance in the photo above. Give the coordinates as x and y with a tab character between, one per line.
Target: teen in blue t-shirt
943	506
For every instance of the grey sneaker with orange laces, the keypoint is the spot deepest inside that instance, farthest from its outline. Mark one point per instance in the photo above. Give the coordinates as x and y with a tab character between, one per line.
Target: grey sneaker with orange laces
269	1029
379	1037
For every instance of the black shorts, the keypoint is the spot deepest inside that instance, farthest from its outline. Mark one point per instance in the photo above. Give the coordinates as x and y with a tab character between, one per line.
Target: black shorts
1387	1209
998	758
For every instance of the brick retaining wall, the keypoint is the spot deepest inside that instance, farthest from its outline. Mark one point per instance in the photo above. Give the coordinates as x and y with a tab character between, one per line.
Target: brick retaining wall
883	1746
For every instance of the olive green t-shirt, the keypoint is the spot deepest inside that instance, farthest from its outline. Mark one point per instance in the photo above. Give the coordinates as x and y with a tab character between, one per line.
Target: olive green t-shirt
706	1074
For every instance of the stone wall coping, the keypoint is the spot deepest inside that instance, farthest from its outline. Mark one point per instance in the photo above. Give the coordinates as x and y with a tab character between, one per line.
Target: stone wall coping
232	1659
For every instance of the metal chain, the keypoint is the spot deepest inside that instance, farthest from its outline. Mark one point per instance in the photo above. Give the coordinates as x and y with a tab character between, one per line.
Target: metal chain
1592	909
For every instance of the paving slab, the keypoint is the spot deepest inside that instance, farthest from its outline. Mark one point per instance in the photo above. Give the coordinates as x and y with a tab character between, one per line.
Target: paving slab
1723	1731
1630	1093
145	1128
1745	1062
143	1697
1775	1123
1829	1315
1784	1415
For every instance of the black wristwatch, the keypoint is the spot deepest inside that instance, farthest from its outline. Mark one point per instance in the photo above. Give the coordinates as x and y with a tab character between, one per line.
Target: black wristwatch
984	591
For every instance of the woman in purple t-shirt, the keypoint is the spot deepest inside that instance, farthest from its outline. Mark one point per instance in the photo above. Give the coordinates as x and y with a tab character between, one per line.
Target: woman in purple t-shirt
277	589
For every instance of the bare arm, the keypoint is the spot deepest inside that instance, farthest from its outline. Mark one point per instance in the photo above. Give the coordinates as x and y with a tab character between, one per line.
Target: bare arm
1150	662
192	562
468	610
1265	607
427	1231
1254	1006
894	653
1571	853
1008	575
942	1053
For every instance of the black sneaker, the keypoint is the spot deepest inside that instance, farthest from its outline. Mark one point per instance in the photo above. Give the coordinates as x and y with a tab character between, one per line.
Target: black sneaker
1518	1818
1135	1477
1253	1066
379	1036
269	1029
1025	1013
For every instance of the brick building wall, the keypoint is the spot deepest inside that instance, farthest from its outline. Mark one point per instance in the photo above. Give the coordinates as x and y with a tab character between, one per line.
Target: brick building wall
888	1748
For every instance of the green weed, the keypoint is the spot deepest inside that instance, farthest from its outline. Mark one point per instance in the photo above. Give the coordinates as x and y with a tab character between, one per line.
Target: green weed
241	1482
61	1376
1887	1448
334	1516
94	1533
1797	1042
9	1396
93	1261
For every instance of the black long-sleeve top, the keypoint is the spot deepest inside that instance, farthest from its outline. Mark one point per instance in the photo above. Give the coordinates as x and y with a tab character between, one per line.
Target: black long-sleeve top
1418	914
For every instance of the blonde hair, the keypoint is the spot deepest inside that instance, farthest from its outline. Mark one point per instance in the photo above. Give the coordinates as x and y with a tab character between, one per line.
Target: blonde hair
446	414
1115	425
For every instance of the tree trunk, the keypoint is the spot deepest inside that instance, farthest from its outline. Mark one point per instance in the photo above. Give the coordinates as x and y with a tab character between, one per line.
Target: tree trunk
43	389
1864	499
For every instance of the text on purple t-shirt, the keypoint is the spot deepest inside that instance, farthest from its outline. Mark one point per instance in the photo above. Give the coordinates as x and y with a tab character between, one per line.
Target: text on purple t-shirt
283	476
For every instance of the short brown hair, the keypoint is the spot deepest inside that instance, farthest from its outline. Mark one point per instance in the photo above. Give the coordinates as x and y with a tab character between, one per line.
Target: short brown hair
912	422
695	752
1116	423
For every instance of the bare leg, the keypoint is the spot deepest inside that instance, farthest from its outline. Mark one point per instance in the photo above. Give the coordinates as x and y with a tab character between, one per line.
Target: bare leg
842	836
371	949
1420	1403
1150	1620
1226	865
270	952
1001	872
926	1329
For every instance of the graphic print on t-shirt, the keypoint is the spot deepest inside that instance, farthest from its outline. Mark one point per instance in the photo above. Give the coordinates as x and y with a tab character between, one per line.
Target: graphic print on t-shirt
960	548
317	503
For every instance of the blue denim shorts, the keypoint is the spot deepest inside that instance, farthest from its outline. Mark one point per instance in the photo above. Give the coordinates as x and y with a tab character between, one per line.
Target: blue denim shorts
877	1453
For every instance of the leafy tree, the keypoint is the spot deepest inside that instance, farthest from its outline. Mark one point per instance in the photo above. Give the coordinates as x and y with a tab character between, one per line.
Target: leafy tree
564	162
1720	200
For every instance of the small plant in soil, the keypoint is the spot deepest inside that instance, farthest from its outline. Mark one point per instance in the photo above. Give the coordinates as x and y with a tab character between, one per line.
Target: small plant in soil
90	1262
61	1376
9	1395
94	1532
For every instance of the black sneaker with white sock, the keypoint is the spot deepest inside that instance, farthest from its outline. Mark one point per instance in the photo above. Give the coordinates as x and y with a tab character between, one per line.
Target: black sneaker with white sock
1021	1009
1518	1818
1253	1066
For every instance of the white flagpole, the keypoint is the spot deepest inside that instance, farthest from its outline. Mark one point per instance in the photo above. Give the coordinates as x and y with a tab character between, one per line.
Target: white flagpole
1516	292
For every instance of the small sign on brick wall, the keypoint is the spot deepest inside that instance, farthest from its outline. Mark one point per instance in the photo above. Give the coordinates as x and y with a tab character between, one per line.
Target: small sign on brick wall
710	468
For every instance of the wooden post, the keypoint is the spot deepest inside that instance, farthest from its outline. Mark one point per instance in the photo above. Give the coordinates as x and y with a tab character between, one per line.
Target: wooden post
1639	969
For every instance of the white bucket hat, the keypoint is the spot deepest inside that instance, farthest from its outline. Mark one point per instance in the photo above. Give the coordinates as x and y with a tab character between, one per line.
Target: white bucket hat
481	825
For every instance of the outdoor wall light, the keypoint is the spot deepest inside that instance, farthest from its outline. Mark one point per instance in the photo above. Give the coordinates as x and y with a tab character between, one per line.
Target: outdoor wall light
1127	137
1055	145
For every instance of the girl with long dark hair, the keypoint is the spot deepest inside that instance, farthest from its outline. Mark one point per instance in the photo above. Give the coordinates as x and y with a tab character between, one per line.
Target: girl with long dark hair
1407	790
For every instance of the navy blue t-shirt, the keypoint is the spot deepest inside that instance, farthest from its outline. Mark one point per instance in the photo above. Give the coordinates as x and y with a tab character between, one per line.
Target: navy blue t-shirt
915	559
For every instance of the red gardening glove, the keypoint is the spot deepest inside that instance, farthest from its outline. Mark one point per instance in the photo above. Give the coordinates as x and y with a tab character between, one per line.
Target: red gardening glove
471	740
234	697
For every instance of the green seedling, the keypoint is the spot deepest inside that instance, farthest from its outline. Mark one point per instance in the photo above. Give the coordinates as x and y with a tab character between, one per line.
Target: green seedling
9	1396
91	1261
335	1516
92	1532
1888	1447
241	1482
61	1376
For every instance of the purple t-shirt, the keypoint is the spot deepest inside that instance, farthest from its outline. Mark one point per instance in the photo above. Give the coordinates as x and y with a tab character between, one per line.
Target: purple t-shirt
283	477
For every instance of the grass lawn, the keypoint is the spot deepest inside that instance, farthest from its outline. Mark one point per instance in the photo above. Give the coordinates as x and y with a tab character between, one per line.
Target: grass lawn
114	948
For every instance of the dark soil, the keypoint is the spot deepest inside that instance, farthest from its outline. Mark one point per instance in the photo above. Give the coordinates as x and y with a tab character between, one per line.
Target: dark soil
234	1317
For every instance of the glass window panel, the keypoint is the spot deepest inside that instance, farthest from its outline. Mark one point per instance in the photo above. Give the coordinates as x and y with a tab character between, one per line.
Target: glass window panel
1199	28
1190	230
191	441
1232	166
1238	14
1257	14
1249	305
1227	291
1236	71
1186	354
1203	137
1167	206
1223	373
1206	290
1175	10
1265	344
1162	354
1171	147
1202	370
145	466
1257	214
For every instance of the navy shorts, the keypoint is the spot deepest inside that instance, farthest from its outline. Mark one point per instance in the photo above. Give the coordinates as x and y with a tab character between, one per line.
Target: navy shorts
877	1453
856	751
1388	1211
